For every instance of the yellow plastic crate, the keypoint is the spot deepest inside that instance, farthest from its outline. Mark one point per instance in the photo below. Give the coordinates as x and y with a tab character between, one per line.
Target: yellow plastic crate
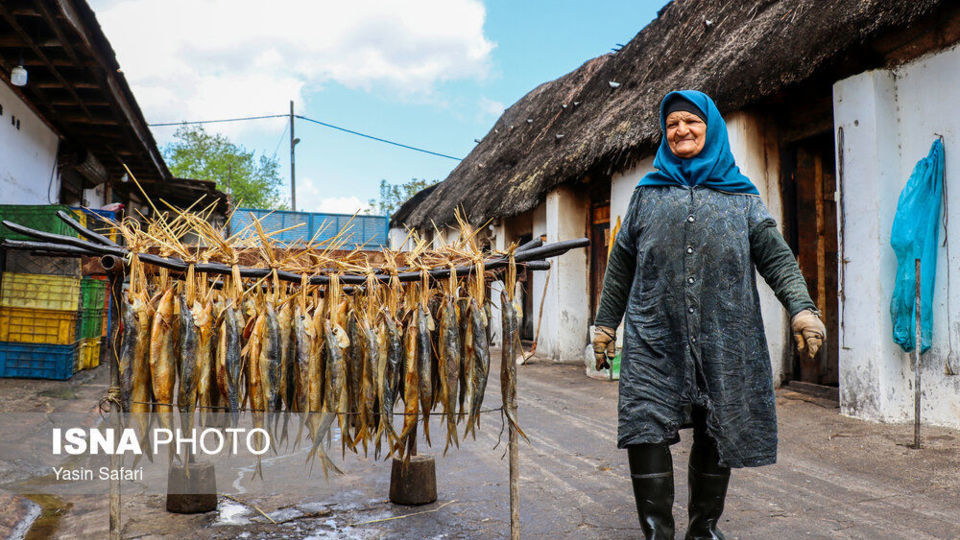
49	326
40	291
88	353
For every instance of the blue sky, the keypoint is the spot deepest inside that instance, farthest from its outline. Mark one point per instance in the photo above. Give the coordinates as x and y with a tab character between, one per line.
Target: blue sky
434	74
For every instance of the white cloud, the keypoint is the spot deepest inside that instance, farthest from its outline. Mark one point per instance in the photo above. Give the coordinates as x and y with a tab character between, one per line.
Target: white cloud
491	108
338	205
200	59
310	199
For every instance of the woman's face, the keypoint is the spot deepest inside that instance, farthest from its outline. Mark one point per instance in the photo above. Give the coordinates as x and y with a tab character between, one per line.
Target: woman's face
686	134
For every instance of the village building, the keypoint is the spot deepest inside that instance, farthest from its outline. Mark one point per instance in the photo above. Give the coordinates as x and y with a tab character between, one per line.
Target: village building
828	105
67	129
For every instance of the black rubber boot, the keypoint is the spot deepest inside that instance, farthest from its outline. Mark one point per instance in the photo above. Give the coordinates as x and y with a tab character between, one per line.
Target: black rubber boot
651	468
707	481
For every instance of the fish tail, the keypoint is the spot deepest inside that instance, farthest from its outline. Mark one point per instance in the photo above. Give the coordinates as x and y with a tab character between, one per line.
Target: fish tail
315	447
283	433
452	430
426	426
299	435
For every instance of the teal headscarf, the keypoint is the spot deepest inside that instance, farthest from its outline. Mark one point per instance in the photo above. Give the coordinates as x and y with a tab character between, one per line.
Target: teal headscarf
714	167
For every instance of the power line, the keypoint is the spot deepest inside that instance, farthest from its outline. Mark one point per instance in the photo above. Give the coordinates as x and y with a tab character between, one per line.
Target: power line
394	143
324	124
280	140
195	122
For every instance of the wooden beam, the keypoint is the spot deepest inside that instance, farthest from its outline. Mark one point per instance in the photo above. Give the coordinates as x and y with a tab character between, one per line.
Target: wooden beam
125	109
72	103
9	41
25	12
93	120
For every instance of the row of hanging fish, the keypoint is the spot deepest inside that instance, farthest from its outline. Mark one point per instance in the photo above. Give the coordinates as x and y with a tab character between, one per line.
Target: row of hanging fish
227	344
328	356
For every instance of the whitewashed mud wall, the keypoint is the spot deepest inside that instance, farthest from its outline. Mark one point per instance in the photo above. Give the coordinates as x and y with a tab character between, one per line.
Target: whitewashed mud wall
28	154
889	119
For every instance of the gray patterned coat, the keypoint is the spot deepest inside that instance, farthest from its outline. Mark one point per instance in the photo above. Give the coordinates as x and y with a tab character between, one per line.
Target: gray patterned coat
682	273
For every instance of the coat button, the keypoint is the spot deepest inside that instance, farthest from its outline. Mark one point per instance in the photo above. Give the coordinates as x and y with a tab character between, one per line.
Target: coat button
690	279
690	310
693	339
689	249
690	218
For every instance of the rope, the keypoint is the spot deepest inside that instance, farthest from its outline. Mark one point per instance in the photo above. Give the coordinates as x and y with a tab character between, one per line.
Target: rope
109	400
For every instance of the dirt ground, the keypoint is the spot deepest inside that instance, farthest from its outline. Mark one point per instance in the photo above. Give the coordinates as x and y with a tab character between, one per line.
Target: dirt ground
836	478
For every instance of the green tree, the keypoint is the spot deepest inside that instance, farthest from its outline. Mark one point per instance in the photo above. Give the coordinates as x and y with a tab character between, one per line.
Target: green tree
392	196
254	181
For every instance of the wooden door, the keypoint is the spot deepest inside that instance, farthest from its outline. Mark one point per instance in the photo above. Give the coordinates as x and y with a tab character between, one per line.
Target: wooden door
599	243
814	240
526	289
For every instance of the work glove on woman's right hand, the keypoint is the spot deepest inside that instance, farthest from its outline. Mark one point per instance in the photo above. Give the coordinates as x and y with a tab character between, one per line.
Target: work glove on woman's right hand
604	345
808	331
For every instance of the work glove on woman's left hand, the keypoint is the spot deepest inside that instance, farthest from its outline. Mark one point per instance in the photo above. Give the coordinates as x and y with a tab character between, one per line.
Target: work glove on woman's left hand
604	345
808	331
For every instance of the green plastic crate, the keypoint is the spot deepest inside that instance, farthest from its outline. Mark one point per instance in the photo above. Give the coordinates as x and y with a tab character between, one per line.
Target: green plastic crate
90	323
92	293
38	217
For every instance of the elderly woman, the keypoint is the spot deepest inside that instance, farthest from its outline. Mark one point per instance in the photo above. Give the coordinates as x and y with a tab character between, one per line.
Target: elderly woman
694	352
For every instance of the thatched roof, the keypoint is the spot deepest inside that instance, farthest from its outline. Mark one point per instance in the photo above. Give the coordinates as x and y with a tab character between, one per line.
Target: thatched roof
579	124
401	214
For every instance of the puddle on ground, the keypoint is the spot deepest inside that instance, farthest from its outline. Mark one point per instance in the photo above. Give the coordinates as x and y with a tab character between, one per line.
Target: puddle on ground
285	514
47	520
231	513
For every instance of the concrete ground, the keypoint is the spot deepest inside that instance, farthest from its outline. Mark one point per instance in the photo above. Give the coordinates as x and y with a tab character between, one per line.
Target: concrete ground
836	478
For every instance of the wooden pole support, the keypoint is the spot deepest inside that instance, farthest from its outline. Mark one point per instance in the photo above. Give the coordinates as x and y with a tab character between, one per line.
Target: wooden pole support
917	347
116	277
514	478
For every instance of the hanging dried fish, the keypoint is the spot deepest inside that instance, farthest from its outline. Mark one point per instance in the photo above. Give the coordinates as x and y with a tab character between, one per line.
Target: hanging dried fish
285	384
206	364
449	366
230	360
128	352
163	363
390	374
269	365
255	394
187	353
411	383
511	337
141	392
479	365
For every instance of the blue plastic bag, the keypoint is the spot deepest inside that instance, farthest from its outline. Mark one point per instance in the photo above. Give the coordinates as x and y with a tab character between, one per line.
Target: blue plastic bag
915	235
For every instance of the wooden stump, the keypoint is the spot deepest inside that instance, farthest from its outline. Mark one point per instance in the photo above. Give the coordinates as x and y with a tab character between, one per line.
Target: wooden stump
415	482
194	494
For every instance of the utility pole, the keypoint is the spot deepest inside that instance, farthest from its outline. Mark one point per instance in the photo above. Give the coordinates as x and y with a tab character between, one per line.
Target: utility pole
293	176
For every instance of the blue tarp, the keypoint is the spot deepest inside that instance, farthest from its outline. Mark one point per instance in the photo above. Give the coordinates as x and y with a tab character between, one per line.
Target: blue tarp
915	236
371	232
